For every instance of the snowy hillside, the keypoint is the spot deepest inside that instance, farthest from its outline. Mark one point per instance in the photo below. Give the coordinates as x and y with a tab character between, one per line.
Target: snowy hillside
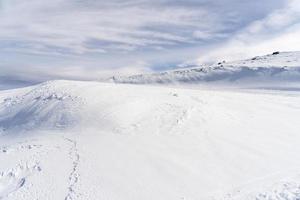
46	105
274	68
90	140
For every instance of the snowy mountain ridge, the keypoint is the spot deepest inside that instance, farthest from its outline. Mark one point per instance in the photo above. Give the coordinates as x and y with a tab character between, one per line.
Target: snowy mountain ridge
276	67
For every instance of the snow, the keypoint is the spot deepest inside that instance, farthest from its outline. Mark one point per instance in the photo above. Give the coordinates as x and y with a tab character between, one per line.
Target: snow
222	132
91	140
276	70
40	107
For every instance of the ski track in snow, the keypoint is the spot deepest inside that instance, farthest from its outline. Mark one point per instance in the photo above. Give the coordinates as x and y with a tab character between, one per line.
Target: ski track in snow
74	175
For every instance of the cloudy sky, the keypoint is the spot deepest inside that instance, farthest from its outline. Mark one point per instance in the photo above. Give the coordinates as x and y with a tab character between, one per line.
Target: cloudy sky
90	39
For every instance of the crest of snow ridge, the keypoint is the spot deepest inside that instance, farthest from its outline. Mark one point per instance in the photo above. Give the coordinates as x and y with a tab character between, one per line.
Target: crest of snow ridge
275	67
47	105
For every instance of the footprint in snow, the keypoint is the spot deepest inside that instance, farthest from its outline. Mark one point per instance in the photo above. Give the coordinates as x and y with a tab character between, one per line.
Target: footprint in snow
15	178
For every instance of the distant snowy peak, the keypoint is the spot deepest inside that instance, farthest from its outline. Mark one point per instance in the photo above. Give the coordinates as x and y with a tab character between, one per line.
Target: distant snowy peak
276	59
276	67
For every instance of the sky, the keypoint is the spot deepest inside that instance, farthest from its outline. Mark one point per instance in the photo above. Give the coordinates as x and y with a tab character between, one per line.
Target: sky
94	39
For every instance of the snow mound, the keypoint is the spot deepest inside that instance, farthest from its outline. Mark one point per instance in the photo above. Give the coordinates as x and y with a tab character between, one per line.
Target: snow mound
48	105
277	67
284	190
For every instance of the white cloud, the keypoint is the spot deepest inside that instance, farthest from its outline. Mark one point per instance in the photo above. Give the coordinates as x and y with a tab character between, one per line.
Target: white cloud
73	26
70	26
92	38
279	31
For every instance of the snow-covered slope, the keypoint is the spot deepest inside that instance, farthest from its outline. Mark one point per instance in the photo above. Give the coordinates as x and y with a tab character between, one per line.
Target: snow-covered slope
46	105
90	140
274	68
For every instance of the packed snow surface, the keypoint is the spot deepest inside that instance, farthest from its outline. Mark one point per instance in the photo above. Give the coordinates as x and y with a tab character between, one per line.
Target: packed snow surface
89	140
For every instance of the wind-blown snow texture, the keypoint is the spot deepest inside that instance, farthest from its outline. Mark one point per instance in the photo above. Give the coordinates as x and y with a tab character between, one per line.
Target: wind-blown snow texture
89	140
274	68
46	105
